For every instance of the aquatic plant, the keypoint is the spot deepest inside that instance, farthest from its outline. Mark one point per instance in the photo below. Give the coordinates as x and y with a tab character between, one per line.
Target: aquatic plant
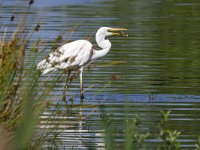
168	136
197	145
133	138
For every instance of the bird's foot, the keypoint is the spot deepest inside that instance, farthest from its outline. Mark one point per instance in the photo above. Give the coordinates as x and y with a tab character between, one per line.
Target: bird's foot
82	98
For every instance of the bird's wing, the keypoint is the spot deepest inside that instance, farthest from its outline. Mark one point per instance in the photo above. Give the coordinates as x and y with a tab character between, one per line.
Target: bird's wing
76	53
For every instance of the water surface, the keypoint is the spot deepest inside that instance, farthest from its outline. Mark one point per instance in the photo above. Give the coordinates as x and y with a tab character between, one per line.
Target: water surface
156	67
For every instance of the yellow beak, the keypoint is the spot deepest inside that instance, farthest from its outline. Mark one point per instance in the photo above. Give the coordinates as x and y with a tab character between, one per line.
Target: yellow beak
118	31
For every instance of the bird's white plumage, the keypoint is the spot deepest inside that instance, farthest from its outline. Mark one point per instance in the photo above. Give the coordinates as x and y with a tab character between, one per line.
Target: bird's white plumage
70	55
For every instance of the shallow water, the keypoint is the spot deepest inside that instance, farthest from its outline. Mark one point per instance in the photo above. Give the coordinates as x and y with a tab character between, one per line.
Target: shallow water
156	67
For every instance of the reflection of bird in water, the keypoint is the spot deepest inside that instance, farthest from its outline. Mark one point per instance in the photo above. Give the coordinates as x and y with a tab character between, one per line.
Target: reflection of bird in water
78	54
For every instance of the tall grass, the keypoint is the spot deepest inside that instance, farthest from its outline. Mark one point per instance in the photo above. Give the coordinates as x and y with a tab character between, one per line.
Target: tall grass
20	103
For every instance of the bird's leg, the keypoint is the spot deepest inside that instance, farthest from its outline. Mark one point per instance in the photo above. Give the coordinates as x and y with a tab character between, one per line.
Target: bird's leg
81	85
66	85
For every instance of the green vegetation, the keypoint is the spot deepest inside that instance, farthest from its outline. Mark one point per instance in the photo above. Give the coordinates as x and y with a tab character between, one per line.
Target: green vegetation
20	103
21	106
197	146
168	136
133	138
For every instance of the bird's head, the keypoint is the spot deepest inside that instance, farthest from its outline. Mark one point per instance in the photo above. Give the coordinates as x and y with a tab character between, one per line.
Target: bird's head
106	31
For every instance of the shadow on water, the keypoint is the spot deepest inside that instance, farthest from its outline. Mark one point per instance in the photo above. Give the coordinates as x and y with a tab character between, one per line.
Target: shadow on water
157	67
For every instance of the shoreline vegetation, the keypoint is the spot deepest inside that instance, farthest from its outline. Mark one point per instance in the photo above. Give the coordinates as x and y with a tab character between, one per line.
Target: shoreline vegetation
20	103
21	106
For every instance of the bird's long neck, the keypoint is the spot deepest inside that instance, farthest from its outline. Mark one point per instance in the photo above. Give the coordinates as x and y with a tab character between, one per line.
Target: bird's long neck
102	43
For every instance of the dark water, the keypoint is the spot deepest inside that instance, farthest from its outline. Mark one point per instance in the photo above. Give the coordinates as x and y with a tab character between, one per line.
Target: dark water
157	66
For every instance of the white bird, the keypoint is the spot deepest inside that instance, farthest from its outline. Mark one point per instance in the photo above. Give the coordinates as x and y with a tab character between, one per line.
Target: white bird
78	54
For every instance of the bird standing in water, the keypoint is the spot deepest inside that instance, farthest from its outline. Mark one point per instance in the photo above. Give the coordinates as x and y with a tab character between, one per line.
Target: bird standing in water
78	54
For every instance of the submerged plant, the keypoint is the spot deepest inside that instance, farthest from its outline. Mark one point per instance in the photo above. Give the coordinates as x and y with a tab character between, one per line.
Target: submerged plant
133	138
197	145
132	134
109	131
167	135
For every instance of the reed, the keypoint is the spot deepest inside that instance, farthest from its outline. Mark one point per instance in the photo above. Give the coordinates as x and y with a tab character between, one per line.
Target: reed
20	103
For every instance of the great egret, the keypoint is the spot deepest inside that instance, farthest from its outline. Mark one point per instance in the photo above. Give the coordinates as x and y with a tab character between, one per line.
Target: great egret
78	54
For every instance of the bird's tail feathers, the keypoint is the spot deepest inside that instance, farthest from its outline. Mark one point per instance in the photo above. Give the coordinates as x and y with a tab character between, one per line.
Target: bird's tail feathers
41	65
48	70
45	67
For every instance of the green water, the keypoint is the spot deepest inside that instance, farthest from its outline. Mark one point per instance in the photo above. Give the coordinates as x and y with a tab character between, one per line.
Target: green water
157	65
